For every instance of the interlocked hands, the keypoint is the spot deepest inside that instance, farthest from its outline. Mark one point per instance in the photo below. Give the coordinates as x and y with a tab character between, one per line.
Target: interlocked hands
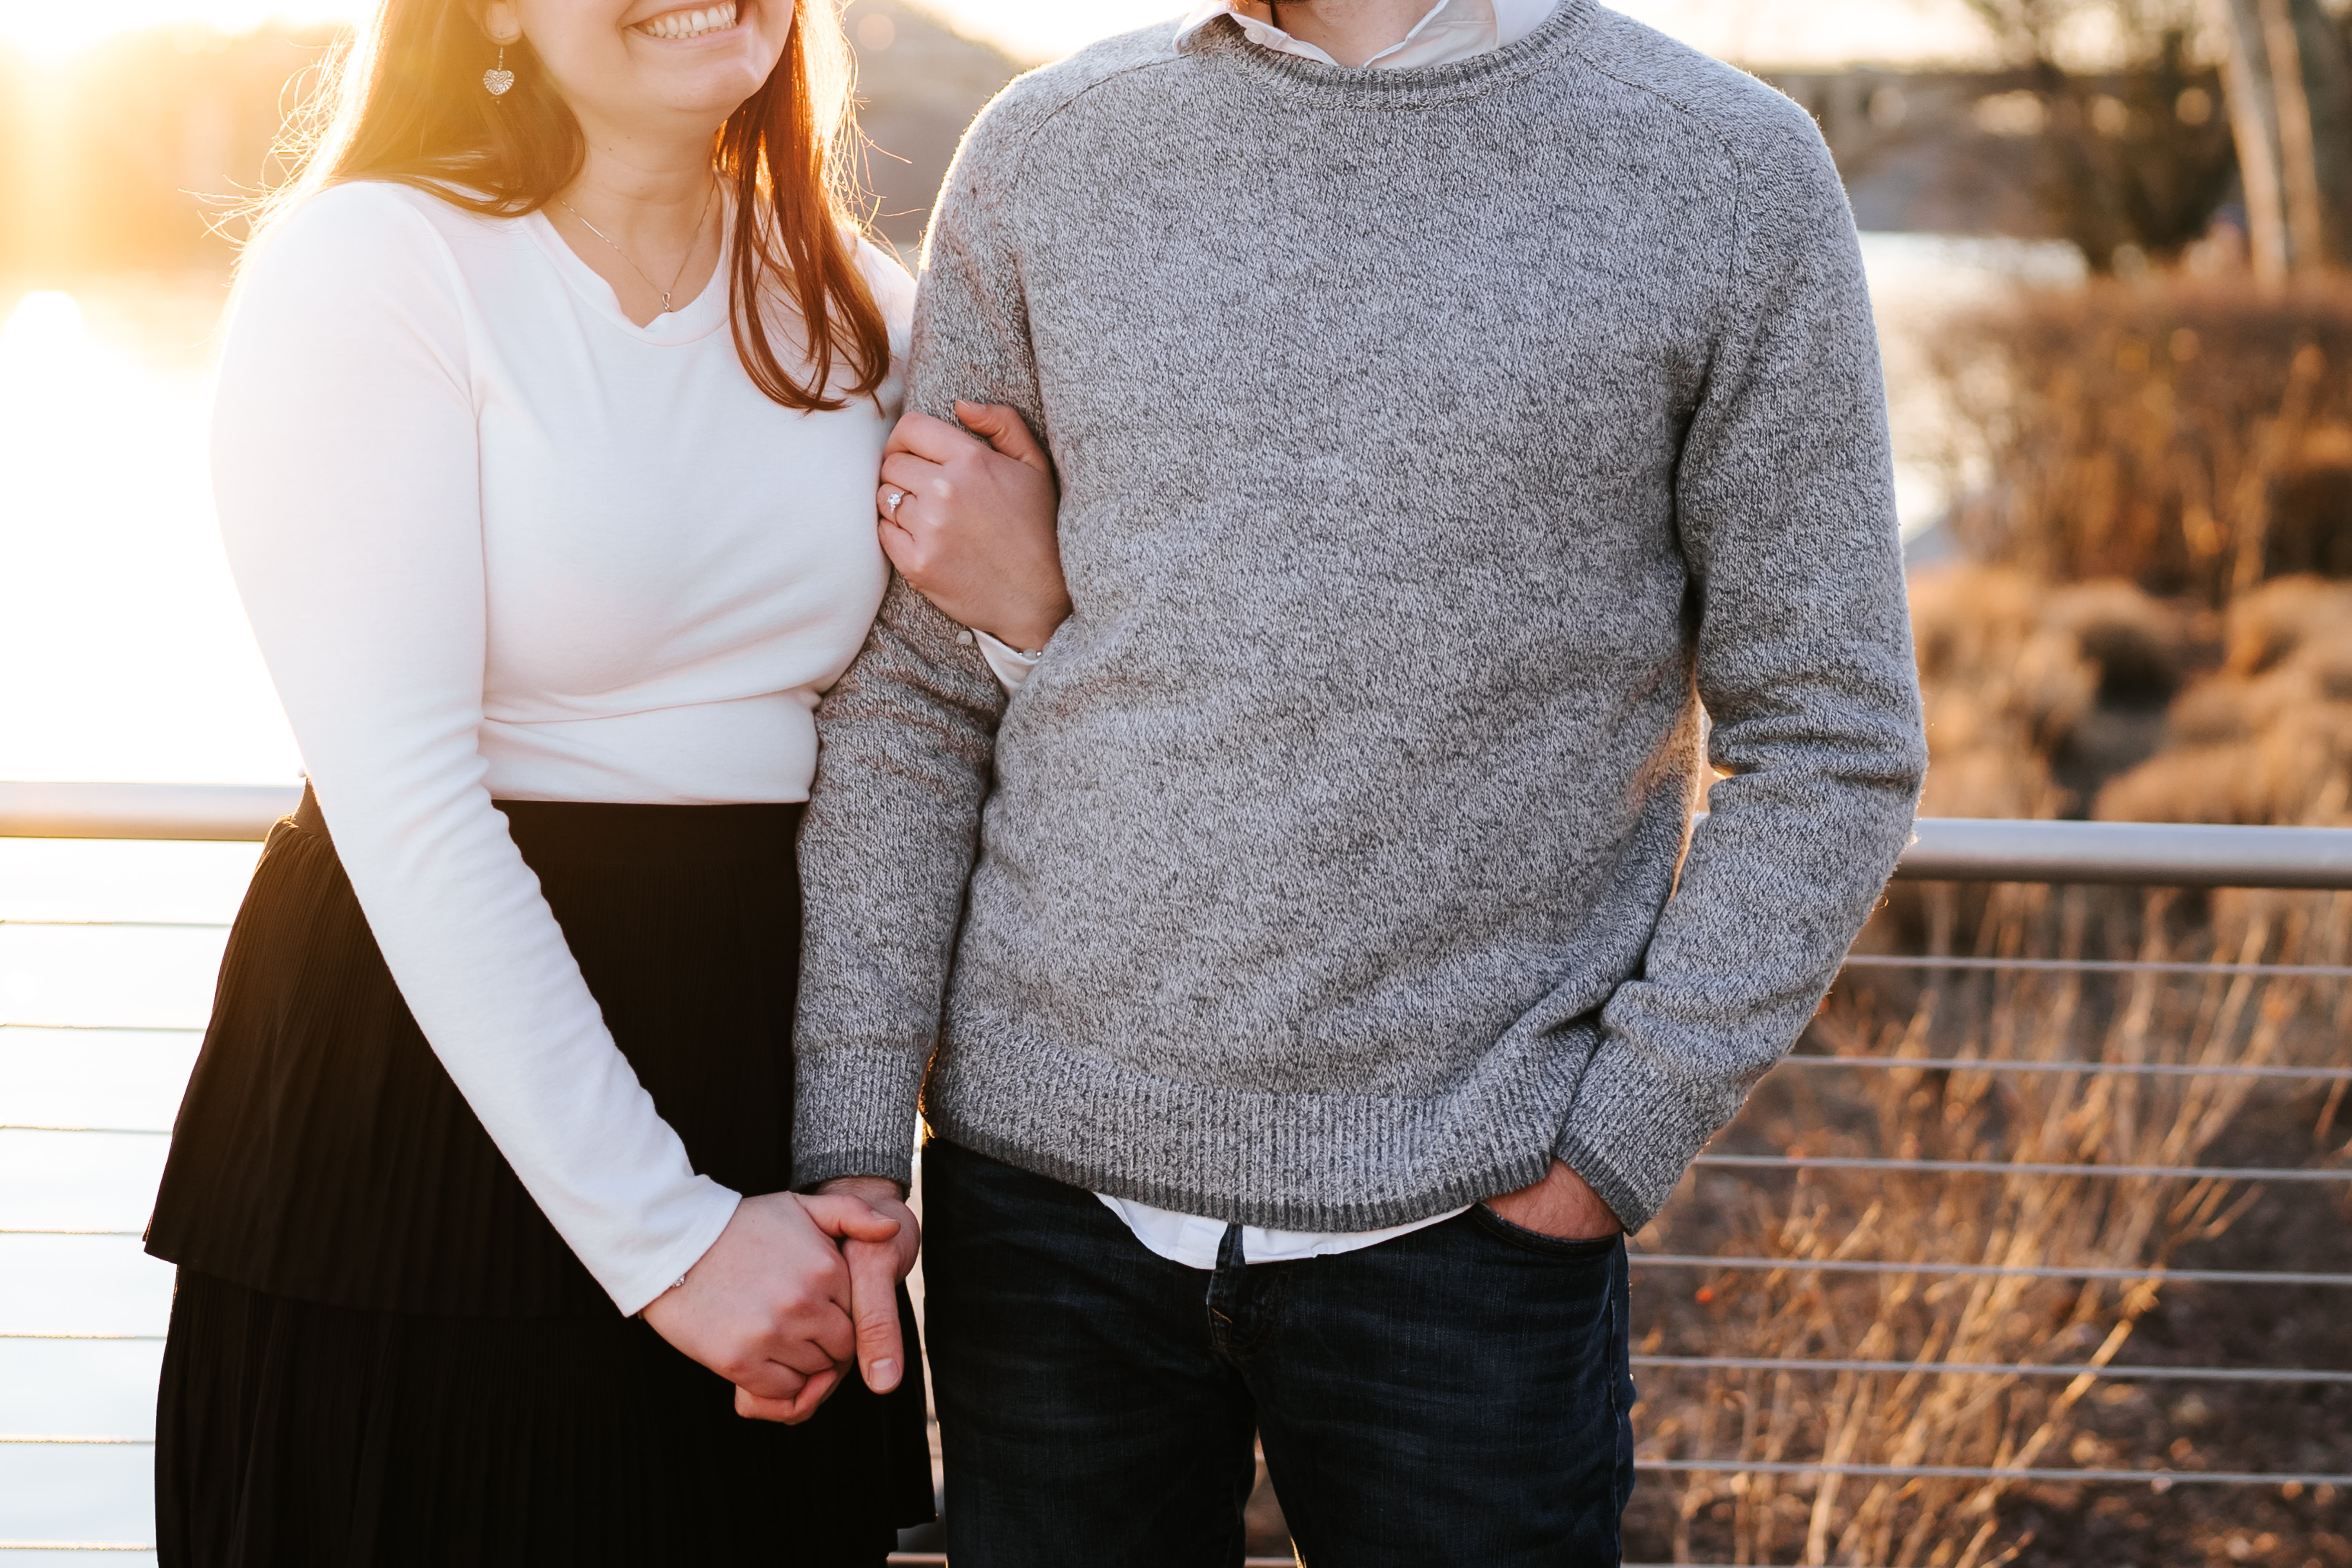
795	1292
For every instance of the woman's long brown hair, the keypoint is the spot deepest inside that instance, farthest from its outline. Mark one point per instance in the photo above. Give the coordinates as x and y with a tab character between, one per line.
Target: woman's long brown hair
404	101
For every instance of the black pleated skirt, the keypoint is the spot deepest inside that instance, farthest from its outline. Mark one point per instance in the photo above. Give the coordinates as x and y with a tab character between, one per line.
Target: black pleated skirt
381	1352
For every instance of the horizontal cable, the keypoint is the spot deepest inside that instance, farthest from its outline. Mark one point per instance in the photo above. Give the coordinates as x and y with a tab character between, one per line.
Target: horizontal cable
2161	1479
2015	1270
2024	1168
36	1334
12	1440
107	1028
939	1560
113	1131
2095	1069
1993	1369
151	811
74	1546
1922	1064
44	1230
2105	966
122	925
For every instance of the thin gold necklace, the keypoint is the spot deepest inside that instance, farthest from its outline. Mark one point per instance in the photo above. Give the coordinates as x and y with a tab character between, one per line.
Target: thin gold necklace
699	220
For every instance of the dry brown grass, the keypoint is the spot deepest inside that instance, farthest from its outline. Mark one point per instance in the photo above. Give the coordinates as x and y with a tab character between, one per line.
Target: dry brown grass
2021	676
1918	1416
2268	737
2184	436
2141	635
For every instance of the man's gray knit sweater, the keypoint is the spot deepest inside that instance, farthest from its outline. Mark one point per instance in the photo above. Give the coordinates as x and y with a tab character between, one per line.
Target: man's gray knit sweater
1433	444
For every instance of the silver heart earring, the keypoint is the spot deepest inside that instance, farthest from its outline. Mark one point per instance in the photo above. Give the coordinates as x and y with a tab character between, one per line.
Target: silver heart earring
498	79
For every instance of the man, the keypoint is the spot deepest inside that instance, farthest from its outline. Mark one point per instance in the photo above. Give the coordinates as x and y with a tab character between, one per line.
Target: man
1311	972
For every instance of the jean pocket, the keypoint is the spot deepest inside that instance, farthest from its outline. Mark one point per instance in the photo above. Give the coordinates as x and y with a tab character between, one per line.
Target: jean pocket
1592	1250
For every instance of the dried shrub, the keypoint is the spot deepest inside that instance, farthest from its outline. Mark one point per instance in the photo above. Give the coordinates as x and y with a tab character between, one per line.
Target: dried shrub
2017	676
1919	1416
2188	436
2268	737
2146	626
2021	676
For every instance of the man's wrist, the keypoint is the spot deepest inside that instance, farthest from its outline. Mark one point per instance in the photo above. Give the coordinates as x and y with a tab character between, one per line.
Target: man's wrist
1028	637
867	1187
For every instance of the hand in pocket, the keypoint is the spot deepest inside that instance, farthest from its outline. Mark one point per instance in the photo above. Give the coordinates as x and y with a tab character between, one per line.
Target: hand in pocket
1563	1205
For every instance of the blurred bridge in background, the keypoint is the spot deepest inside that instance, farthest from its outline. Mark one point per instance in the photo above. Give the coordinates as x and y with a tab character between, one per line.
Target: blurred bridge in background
100	1009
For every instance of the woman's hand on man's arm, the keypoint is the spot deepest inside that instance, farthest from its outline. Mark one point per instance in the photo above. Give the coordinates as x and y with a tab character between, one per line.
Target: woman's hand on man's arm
972	525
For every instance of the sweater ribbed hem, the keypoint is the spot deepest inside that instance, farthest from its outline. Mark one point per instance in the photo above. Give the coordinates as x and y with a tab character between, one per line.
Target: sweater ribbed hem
1285	1160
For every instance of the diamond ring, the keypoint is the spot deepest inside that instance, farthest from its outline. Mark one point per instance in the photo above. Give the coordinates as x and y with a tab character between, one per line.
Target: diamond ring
890	503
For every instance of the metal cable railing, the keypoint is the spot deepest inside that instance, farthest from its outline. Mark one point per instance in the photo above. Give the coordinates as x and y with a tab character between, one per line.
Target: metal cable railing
2152	1275
2169	856
2020	1168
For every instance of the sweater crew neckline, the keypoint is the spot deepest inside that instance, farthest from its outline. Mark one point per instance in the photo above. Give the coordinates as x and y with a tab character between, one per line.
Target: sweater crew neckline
1373	86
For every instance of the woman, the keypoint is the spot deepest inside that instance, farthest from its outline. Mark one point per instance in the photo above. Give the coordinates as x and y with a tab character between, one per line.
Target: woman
546	443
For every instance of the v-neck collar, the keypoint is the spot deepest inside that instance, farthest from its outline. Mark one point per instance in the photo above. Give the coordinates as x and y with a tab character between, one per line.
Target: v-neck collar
689	322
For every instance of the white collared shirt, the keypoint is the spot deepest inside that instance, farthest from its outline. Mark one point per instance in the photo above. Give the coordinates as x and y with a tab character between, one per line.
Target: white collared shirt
1451	30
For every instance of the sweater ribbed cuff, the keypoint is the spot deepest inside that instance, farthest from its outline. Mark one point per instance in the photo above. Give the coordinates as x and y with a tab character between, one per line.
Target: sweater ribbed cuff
855	1115
1633	1132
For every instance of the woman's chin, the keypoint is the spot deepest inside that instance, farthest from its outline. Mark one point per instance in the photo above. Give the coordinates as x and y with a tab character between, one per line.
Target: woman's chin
712	92
714	73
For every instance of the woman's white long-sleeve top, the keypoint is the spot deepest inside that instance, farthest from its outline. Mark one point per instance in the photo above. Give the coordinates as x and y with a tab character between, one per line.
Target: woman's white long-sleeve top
497	541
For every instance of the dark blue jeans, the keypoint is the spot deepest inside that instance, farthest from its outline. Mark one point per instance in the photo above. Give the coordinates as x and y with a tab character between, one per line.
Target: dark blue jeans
1459	1396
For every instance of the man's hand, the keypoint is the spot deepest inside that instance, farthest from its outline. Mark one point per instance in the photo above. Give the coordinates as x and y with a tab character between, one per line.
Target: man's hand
973	523
767	1308
875	1268
1563	1205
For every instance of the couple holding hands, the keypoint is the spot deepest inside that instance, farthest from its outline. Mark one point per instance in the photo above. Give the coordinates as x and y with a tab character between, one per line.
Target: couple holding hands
1222	765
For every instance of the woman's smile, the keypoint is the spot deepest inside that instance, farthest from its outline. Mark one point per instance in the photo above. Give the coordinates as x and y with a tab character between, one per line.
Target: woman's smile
690	24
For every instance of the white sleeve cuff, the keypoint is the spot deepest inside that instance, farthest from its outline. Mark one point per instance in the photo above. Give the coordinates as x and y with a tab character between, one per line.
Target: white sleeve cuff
1011	667
650	1279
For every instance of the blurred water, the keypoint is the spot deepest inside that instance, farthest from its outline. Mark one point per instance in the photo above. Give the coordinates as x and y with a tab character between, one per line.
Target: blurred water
126	655
126	658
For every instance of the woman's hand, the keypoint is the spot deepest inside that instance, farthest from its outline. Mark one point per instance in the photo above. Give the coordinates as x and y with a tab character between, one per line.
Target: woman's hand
971	524
768	1307
875	1269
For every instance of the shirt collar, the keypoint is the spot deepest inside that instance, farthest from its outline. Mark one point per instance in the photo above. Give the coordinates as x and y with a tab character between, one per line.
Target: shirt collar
1450	30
